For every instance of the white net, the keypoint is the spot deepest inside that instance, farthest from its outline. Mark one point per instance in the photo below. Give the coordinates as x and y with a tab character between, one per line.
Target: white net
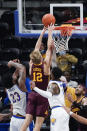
61	42
61	39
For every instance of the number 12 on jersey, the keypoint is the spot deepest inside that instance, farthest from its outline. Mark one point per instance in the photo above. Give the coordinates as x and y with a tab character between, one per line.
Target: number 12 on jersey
37	77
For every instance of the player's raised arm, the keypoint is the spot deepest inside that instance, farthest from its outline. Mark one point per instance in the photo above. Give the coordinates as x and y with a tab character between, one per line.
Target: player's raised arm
50	31
54	63
43	93
21	74
39	41
50	44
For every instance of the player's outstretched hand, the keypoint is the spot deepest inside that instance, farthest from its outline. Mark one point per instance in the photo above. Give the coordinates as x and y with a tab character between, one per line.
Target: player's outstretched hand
32	85
51	27
44	30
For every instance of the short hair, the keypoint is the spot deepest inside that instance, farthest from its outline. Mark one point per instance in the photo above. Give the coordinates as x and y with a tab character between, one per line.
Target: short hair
57	73
36	56
7	80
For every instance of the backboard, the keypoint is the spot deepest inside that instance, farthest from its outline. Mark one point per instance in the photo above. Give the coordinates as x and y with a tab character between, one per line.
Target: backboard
29	14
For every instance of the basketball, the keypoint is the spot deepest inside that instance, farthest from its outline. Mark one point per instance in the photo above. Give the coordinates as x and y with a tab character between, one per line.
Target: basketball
47	19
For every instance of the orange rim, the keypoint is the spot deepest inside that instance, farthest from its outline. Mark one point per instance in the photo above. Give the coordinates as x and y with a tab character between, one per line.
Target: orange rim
64	28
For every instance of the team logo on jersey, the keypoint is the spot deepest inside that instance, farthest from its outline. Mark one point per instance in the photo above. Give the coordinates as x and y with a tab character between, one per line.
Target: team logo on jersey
46	112
53	120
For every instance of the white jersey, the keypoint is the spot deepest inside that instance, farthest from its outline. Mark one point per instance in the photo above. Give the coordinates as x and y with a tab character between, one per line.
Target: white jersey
17	99
57	100
59	119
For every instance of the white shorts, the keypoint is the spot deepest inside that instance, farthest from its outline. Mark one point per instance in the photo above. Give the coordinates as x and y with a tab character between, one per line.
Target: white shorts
16	123
59	120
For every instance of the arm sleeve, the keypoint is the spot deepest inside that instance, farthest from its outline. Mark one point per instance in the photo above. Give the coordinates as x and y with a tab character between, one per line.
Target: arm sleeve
45	94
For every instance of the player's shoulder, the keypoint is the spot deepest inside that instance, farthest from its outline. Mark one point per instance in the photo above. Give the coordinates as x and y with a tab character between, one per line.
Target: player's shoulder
12	88
16	88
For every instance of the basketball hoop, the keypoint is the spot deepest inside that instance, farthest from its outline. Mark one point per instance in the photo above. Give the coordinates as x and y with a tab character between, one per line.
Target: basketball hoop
61	39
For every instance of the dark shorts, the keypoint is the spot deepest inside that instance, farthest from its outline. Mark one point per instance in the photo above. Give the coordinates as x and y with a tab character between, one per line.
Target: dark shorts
37	105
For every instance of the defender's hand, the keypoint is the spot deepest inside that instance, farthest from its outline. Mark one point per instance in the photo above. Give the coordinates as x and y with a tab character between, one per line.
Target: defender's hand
32	85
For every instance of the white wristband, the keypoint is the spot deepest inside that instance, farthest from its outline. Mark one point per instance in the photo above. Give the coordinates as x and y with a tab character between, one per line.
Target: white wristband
71	113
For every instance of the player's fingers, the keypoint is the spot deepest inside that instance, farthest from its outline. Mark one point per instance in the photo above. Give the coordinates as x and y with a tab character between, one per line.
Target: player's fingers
45	28
14	60
32	84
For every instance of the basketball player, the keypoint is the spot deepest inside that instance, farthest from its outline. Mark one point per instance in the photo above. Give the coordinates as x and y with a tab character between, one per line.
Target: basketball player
39	72
59	118
16	90
79	107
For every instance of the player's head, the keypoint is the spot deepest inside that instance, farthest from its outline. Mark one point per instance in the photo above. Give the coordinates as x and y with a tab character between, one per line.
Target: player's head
67	75
36	57
80	90
55	73
54	88
9	79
